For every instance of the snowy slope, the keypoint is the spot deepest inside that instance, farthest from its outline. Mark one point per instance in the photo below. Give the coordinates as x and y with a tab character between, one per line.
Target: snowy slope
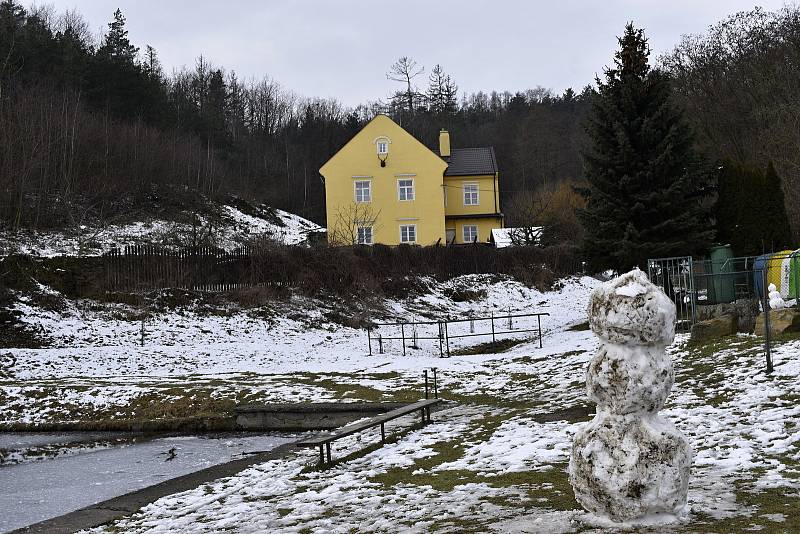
229	229
92	339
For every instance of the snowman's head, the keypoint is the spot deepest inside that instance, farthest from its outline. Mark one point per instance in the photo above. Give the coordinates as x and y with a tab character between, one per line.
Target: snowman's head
631	310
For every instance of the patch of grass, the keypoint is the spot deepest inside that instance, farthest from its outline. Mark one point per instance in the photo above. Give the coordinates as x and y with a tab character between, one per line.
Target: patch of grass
492	347
489	399
445	452
350	390
465	294
580	327
769	502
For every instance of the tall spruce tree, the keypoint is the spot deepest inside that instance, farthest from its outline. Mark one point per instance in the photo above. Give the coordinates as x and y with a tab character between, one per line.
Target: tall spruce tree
777	233
648	191
750	212
740	195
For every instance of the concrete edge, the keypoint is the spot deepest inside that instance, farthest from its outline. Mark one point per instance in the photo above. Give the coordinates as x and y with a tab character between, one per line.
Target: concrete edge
118	507
325	407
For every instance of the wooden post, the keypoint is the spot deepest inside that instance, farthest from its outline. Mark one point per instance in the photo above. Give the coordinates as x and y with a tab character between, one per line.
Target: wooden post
369	340
328	450
383	434
493	327
435	385
321	455
403	337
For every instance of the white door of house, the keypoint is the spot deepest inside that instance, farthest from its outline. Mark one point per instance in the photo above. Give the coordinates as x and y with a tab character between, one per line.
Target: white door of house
451	235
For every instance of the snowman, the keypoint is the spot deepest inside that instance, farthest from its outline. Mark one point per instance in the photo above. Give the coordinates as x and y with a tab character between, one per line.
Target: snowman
775	299
628	463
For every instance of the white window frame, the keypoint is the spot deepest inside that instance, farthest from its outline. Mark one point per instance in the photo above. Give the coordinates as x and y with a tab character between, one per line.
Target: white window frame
468	194
365	241
382	147
409	241
405	187
369	191
471	239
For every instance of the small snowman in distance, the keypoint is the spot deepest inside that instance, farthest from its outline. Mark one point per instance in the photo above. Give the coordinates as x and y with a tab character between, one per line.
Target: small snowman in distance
775	299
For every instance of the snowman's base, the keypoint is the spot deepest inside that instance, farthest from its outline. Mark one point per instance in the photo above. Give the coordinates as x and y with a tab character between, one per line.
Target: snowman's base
647	521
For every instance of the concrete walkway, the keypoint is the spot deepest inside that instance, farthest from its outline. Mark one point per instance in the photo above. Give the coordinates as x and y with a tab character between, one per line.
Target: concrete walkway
125	505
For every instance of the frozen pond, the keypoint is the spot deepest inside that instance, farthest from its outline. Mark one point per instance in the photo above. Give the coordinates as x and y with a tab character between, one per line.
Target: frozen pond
47	475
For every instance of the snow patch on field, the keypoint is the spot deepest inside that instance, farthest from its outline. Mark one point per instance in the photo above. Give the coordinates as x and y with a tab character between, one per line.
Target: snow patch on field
519	444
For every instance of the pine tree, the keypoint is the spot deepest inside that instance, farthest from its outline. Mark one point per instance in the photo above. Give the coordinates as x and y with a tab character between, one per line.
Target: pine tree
151	64
116	44
647	194
442	92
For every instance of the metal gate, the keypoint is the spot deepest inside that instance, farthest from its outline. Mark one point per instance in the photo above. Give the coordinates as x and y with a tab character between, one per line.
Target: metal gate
675	277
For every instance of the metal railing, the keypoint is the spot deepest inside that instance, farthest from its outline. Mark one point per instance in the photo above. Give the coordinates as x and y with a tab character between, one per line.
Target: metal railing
676	277
409	331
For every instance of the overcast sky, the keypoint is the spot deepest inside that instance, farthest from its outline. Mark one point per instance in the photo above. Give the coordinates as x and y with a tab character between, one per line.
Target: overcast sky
343	48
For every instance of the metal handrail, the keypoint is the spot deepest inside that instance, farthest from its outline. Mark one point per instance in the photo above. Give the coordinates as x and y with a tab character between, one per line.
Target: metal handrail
444	336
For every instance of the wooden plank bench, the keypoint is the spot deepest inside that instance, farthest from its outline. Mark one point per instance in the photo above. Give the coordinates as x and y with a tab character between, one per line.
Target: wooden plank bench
423	406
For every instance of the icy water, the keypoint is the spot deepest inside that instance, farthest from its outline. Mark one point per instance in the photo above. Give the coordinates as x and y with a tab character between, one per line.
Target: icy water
47	475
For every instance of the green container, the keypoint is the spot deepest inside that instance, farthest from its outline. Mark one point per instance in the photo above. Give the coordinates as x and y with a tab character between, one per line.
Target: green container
721	265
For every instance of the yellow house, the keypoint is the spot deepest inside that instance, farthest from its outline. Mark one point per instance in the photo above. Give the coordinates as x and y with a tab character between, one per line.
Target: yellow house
384	186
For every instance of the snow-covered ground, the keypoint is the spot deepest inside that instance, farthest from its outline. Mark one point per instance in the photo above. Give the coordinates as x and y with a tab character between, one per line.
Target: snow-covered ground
495	461
228	230
282	353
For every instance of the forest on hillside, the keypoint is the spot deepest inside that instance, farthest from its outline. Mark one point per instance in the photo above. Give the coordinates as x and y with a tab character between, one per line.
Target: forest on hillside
94	130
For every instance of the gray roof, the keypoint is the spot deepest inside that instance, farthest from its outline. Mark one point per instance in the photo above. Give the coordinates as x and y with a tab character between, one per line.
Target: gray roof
471	161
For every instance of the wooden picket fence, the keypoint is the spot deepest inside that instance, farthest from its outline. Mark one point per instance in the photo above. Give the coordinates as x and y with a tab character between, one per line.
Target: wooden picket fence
147	267
341	270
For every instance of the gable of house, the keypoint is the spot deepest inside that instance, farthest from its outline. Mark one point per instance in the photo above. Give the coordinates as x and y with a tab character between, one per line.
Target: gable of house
407	163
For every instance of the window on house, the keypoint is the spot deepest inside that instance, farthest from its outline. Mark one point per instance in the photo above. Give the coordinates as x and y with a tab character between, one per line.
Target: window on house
364	236
408	233
383	146
470	233
470	194
405	189
363	191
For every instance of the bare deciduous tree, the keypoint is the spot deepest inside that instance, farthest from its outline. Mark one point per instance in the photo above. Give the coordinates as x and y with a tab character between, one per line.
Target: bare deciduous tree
547	216
526	215
738	83
404	70
348	219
